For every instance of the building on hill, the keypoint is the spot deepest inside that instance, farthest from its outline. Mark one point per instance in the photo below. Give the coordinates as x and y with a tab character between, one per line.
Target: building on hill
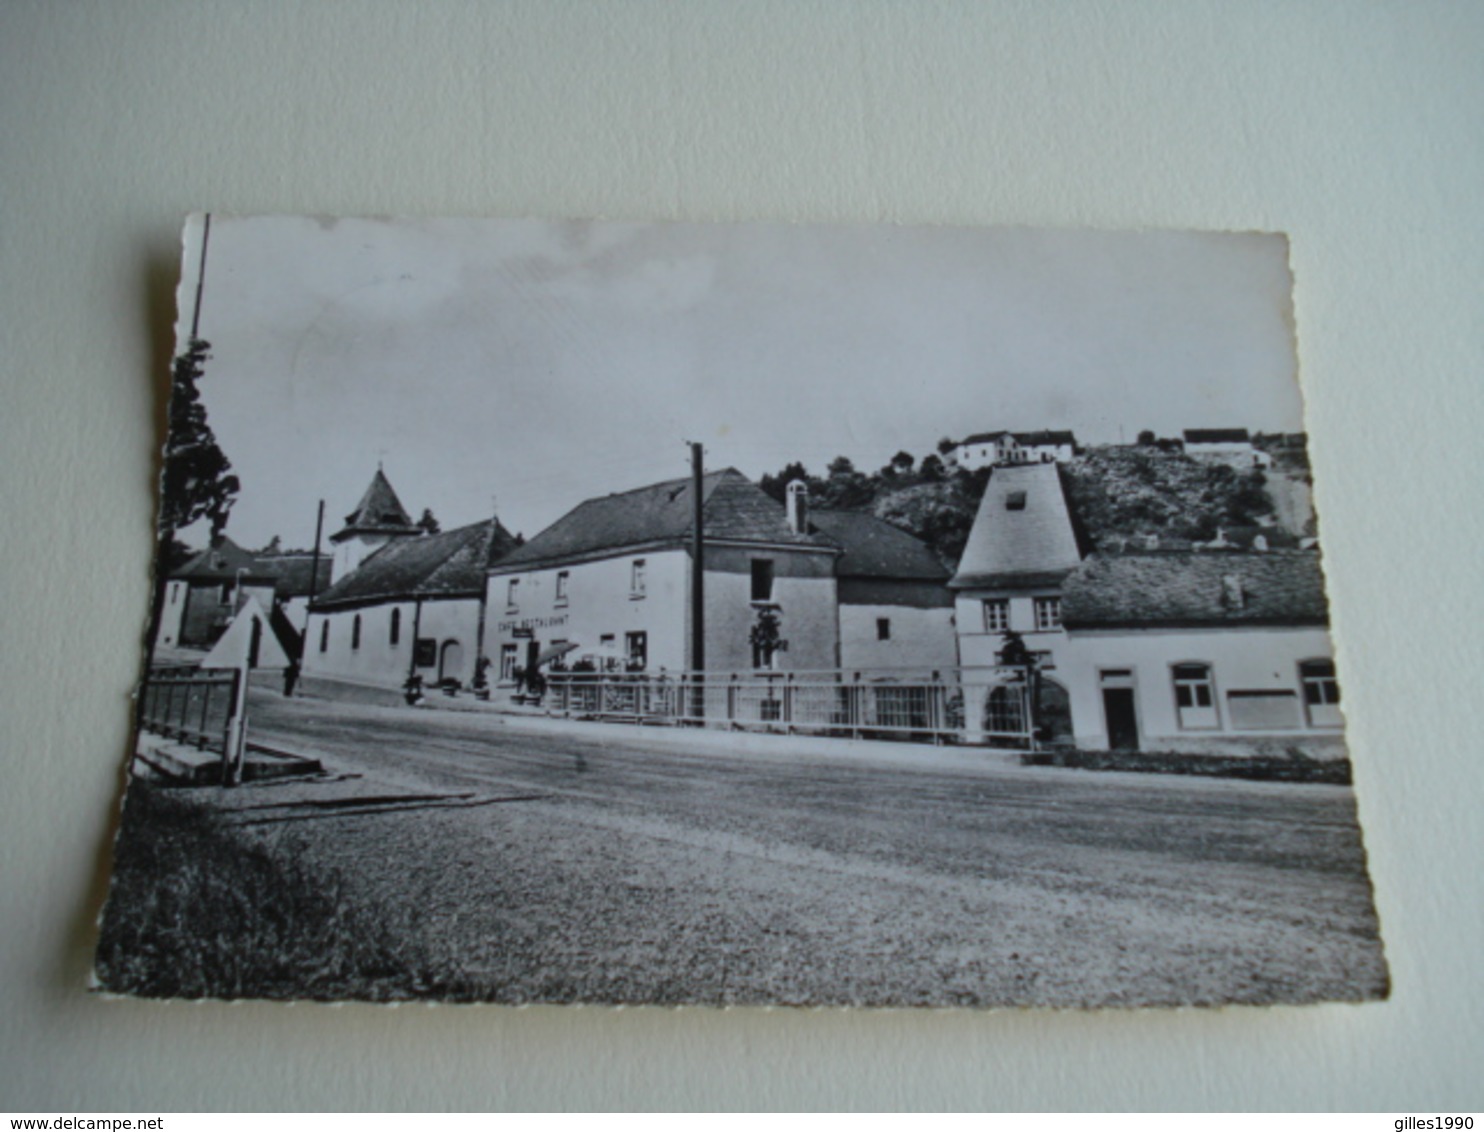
379	518
895	609
1216	652
1228	445
988	449
204	594
613	574
412	606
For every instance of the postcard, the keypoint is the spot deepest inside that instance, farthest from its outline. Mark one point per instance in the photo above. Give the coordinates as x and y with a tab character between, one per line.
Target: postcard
738	614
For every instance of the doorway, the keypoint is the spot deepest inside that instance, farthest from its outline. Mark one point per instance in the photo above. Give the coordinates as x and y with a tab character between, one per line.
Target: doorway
450	660
1123	722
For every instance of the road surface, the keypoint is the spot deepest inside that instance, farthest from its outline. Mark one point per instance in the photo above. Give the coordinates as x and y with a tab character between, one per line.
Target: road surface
580	862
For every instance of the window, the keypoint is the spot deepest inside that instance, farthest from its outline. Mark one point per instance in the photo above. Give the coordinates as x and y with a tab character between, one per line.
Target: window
508	656
636	578
512	594
883	628
1195	700
1321	693
1048	613
324	635
1262	709
762	579
1015	501
395	632
355	632
227	588
996	614
561	586
606	640
636	648
424	652
174	593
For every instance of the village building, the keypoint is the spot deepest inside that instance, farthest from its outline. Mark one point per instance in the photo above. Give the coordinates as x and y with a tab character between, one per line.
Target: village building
206	592
1204	652
1198	651
987	449
1224	445
297	575
895	608
379	518
413	606
1021	549
612	578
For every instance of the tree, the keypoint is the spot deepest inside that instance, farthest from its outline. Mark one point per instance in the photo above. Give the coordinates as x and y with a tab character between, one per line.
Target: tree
777	486
946	445
195	483
1147	438
427	523
931	468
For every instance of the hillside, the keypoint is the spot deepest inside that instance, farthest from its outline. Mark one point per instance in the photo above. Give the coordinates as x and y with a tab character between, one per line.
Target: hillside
1116	491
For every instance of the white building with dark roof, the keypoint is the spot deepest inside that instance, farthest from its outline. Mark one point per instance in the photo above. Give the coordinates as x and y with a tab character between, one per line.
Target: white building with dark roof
987	449
1224	445
895	607
613	576
205	593
1219	652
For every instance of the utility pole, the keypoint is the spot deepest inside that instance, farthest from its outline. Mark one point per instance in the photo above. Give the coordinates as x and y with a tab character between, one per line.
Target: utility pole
697	586
200	281
319	527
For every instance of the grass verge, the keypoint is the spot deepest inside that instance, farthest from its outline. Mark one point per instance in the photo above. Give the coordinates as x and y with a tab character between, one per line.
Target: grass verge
1294	767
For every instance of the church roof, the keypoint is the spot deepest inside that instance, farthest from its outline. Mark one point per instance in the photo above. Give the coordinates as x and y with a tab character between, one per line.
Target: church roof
734	509
875	548
378	512
450	564
1206	588
1022	534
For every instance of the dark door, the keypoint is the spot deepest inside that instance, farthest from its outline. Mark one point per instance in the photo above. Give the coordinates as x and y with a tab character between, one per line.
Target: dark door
1123	724
533	650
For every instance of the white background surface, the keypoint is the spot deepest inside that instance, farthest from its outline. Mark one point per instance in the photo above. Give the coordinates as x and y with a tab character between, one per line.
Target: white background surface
1356	128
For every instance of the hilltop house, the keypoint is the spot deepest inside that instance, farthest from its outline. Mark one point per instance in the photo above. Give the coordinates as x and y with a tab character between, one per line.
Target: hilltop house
1227	445
614	574
414	605
987	449
202	596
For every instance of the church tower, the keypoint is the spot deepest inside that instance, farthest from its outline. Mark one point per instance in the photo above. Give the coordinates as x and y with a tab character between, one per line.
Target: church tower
377	519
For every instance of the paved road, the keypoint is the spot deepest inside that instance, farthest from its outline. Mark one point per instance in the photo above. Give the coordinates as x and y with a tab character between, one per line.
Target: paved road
610	864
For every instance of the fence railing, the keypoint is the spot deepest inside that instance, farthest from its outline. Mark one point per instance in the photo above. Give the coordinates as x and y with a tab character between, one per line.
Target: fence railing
200	708
949	705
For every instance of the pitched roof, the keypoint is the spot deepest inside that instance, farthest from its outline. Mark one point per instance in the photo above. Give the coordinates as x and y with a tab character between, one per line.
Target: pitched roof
734	509
291	573
1023	533
981	437
1217	436
875	548
450	564
1284	587
219	562
378	512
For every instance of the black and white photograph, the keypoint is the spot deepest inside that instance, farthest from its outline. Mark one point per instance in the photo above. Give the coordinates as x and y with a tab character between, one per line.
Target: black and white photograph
737	614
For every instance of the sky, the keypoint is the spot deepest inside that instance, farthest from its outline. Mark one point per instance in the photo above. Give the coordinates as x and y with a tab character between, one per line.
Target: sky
519	367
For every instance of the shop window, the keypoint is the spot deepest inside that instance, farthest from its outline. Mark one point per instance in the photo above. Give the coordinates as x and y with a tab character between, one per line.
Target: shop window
636	648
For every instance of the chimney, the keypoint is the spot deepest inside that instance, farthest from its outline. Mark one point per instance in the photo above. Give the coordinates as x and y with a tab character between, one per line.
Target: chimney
1232	594
798	507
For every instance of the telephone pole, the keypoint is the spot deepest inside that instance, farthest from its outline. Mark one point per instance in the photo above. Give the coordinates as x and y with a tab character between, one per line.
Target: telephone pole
697	586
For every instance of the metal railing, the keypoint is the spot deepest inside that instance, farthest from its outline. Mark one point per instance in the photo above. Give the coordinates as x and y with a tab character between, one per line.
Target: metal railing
205	709
885	704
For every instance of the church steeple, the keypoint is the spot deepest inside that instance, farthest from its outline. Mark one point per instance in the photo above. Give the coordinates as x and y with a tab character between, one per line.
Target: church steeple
377	519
